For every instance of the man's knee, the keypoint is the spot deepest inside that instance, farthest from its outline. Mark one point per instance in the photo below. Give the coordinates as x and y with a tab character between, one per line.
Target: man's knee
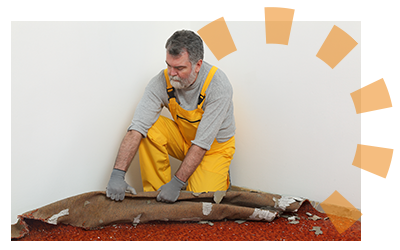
158	132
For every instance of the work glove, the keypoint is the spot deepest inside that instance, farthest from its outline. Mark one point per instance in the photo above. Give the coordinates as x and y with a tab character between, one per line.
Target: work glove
117	186
170	191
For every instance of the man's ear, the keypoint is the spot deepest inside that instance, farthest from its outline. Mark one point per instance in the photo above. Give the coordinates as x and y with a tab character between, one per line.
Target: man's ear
198	65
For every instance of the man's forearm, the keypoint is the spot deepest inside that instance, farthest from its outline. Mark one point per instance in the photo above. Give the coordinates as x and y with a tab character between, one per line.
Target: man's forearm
192	159
127	150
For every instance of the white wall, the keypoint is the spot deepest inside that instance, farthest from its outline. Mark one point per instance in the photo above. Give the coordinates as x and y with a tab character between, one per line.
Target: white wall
297	129
75	86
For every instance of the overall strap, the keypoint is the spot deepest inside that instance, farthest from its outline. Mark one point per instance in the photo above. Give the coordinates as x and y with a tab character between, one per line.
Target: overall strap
170	89
205	86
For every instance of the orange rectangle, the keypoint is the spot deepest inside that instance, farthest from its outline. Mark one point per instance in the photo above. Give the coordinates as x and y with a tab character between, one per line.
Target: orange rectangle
373	159
278	32
218	38
372	97
278	24
336	47
338	208
278	14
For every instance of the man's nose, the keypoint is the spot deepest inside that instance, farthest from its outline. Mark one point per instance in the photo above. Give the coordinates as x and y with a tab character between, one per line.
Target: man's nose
172	72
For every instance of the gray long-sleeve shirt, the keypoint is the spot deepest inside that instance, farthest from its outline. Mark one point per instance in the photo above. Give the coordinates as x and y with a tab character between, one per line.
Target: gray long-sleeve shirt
218	121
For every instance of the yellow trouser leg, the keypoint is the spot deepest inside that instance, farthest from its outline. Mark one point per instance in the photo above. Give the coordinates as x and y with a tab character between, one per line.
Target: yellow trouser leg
213	172
163	139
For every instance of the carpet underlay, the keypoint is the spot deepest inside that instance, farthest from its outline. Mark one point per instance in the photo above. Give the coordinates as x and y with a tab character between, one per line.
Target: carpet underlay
219	216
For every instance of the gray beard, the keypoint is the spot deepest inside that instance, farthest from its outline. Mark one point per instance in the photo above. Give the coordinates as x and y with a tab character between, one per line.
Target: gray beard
179	83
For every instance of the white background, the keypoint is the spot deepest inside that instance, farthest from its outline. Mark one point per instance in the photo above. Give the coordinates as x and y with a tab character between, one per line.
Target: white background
75	86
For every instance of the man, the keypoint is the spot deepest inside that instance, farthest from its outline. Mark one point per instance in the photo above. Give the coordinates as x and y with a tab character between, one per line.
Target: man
199	97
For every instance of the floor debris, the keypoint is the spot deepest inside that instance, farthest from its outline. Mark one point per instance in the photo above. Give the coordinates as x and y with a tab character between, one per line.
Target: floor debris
309	214
206	222
314	218
240	221
294	217
317	230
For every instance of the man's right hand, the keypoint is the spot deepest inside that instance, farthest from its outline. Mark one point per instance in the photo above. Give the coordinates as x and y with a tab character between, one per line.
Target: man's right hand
117	186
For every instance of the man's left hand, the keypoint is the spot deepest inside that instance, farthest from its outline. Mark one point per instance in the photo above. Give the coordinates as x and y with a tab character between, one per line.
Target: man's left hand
170	191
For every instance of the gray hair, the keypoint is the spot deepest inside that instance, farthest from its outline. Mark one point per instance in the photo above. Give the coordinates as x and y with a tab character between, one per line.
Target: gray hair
186	40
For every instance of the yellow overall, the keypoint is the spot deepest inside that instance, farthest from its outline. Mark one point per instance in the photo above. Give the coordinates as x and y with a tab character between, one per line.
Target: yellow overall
167	137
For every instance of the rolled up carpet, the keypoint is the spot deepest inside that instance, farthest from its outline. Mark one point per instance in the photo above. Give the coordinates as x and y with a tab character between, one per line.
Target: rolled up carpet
94	210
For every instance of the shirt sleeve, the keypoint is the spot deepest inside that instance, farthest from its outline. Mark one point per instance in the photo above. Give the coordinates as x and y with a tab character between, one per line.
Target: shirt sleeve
219	99
149	107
